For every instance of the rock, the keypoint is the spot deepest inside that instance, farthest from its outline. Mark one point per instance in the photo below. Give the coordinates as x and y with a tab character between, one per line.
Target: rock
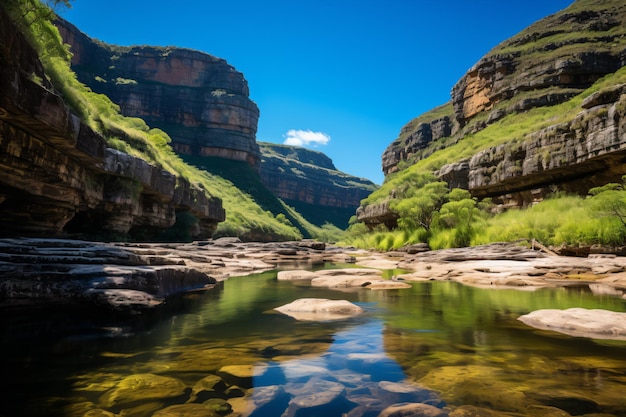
241	375
579	322
412	410
344	281
350	278
186	410
317	397
415	137
269	401
142	388
312	309
473	411
218	405
295	275
388	285
400	392
211	386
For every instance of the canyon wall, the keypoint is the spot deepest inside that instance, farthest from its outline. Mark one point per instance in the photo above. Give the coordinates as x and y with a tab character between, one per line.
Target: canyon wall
60	178
300	174
549	63
308	180
200	100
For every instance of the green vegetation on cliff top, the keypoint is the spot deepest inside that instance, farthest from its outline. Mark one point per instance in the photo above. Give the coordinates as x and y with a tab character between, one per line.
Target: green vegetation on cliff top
247	215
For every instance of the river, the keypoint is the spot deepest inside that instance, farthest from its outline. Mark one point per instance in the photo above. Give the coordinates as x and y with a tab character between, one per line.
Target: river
442	344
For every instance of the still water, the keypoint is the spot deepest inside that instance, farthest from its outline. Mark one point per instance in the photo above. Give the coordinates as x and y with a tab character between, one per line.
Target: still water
225	352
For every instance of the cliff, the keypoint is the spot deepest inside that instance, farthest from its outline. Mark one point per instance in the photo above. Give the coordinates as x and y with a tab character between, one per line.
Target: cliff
543	111
199	100
60	177
309	181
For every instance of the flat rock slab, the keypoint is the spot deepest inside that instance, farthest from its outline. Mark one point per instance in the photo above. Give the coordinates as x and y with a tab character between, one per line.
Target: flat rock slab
344	278
319	309
579	322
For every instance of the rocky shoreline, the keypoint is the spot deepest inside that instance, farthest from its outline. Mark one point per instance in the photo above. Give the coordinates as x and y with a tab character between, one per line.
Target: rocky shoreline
140	276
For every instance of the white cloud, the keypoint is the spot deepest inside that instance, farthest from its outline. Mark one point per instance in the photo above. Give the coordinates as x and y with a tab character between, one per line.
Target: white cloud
305	138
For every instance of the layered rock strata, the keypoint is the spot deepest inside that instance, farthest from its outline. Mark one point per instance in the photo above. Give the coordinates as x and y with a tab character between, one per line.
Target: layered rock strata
59	175
575	156
200	100
539	67
414	138
560	66
307	176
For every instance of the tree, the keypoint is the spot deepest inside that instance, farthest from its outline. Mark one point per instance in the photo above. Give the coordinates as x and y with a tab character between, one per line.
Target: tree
610	200
417	211
459	213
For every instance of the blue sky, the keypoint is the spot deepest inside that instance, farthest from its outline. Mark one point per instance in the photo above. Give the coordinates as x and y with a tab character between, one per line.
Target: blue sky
340	76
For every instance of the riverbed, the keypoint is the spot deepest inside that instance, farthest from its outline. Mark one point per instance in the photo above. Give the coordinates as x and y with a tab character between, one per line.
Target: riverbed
446	346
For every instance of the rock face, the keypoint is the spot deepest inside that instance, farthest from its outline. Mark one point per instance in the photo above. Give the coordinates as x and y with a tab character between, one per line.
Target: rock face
199	100
58	174
573	156
309	180
415	138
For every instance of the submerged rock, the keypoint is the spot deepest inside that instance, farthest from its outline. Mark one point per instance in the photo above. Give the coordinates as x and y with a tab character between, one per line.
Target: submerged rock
579	322
187	410
412	410
312	309
142	388
318	397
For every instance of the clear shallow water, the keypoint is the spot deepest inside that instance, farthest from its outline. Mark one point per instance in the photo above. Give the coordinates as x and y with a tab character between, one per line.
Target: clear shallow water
439	343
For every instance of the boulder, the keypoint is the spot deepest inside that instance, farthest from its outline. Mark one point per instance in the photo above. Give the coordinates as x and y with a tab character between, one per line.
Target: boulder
313	309
579	322
211	386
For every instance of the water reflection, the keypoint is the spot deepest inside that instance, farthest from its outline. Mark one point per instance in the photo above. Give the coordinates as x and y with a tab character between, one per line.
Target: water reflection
354	374
435	342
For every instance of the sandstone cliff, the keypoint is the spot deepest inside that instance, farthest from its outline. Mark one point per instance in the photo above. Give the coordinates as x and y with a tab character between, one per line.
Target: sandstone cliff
58	175
309	181
199	100
550	63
